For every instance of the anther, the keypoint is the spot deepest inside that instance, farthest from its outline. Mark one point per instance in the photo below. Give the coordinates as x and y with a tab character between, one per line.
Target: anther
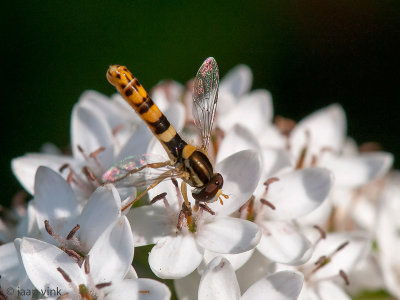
321	232
158	198
64	274
94	155
80	149
181	219
73	231
63	167
284	125
71	253
268	182
117	129
64	296
103	285
267	203
344	276
87	265
175	182
342	246
144	292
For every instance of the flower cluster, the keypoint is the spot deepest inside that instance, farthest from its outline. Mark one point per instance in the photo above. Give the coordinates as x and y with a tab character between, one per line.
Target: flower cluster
308	213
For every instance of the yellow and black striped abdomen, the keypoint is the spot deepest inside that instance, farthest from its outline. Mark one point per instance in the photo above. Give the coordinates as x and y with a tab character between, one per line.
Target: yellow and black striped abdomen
137	97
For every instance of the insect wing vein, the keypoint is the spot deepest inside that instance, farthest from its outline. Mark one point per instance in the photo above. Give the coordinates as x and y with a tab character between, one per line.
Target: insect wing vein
135	171
205	96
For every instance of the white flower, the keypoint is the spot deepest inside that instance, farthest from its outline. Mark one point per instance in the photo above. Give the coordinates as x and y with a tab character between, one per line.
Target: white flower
179	251
97	142
289	195
219	281
334	257
101	274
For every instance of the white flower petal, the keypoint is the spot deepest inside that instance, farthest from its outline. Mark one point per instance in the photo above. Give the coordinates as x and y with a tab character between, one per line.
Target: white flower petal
228	235
274	160
186	288
9	266
219	281
138	289
112	254
345	259
326	129
102	106
271	137
238	138
149	224
236	260
253	111
284	285
241	172
137	144
88	131
102	209
354	171
176	115
283	243
258	266
41	261
54	201
25	167
327	290
237	81
175	257
298	193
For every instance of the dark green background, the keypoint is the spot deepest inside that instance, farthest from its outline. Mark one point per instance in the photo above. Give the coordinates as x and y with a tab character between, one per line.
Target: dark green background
307	53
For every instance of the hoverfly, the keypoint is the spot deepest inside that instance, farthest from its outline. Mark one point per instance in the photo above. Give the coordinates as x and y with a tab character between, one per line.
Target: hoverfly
186	161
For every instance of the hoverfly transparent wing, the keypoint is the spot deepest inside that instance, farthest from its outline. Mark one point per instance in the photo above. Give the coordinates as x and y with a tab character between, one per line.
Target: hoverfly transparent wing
140	171
205	96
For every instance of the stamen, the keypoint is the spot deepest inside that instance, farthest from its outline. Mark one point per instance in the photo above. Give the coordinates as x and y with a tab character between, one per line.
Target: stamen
94	155
71	253
82	152
207	208
63	167
73	231
321	232
64	296
344	277
90	175
181	219
144	292
52	233
267	203
268	182
158	198
87	265
103	285
284	125
117	129
64	274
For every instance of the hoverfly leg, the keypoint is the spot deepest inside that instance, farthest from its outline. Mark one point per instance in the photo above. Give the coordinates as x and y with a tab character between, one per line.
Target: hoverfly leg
186	208
154	184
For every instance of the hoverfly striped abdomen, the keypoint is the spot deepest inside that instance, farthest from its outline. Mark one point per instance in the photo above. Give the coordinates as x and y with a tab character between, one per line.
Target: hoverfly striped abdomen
137	97
188	162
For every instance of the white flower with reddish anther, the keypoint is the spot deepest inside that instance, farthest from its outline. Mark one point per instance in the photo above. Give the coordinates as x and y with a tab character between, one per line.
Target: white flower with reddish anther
335	256
98	275
181	241
219	281
102	133
284	194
